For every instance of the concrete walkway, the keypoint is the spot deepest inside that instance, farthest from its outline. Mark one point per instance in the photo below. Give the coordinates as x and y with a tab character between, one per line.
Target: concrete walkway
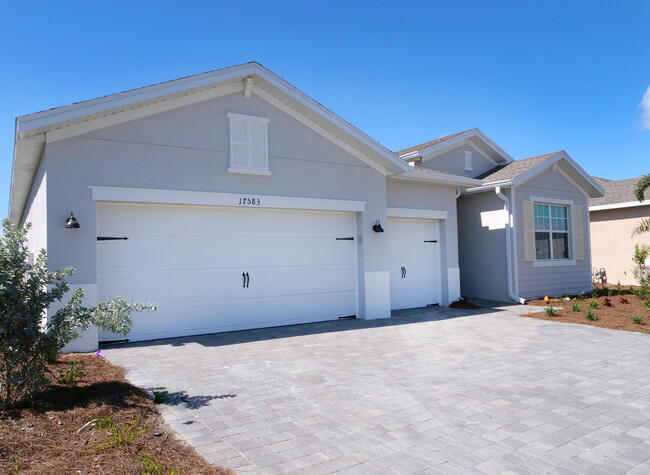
428	391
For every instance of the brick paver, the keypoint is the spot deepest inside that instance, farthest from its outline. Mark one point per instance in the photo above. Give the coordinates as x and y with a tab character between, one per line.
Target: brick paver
429	391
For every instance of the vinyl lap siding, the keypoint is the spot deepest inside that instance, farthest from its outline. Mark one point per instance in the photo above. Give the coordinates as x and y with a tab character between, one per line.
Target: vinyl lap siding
553	280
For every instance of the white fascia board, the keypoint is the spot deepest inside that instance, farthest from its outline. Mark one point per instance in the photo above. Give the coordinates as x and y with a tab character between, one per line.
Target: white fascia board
628	204
94	106
442	147
27	156
433	179
416	213
551	161
410	156
207	198
489	186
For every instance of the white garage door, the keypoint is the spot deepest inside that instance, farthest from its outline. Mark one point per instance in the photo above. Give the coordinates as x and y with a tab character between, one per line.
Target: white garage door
213	269
414	246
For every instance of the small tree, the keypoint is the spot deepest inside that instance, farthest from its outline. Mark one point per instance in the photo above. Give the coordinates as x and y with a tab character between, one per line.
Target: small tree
640	270
639	191
27	341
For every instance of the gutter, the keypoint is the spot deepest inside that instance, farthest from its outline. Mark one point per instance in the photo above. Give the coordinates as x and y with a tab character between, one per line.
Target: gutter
506	206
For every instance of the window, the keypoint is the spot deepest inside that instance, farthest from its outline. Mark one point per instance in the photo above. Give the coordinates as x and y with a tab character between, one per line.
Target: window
249	152
551	231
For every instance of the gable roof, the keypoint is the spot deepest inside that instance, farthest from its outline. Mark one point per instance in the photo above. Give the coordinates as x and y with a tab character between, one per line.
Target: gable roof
34	130
520	171
618	194
478	139
514	169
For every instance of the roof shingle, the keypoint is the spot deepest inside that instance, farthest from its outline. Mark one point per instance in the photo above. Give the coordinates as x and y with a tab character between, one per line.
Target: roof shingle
422	146
514	169
621	191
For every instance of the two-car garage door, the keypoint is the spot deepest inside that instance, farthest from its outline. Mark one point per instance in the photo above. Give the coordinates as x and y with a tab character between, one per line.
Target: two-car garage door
211	269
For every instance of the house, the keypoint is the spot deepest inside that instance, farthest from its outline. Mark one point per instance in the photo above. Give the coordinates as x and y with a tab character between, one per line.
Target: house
613	218
233	201
524	232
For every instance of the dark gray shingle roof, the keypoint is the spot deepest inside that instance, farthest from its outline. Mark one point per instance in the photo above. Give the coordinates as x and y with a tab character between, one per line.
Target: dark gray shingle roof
621	191
514	169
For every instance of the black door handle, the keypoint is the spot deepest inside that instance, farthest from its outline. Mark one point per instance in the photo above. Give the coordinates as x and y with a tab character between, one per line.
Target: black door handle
248	279
403	272
243	275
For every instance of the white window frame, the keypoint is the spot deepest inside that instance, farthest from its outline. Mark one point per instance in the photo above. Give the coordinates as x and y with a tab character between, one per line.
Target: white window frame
551	231
249	169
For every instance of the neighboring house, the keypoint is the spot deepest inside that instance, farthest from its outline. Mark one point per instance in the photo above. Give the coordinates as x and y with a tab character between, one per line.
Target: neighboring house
524	232
247	204
613	218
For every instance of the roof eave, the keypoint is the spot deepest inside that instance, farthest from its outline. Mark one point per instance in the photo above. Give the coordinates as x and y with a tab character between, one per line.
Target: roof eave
628	204
433	179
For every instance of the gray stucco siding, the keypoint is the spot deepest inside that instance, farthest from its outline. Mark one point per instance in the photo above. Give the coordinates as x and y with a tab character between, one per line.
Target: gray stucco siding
535	281
482	251
188	149
453	161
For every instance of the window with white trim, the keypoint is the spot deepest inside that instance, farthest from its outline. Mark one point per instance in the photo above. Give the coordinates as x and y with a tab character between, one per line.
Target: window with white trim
249	150
551	231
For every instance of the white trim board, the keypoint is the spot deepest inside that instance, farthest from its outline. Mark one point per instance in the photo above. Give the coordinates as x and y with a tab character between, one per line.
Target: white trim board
147	195
416	213
628	204
553	201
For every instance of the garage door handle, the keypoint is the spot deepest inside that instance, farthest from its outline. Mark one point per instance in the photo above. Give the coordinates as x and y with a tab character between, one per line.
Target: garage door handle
248	279
403	272
432	241
243	275
345	239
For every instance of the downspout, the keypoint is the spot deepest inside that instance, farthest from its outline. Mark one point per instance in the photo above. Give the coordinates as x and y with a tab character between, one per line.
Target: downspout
506	206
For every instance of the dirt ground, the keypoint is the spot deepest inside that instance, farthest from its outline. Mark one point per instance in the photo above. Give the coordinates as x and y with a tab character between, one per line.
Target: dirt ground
617	314
52	439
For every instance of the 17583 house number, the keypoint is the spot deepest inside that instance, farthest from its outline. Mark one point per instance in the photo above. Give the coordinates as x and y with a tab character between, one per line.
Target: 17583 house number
246	201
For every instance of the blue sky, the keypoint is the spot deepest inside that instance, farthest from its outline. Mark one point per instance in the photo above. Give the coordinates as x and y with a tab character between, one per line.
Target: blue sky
536	77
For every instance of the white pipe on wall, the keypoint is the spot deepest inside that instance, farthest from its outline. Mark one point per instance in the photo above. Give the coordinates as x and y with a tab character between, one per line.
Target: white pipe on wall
506	206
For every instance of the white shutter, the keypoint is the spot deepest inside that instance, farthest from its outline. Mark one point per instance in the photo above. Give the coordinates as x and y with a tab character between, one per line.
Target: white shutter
248	142
259	156
529	231
578	234
238	143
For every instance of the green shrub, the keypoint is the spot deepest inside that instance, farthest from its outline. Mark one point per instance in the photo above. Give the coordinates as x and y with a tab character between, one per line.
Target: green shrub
581	296
593	304
72	375
637	320
575	307
550	311
27	343
591	316
119	436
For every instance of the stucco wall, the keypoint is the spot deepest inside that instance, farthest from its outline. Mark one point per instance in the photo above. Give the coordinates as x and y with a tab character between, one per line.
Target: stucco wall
428	197
453	161
188	149
482	250
557	280
612	242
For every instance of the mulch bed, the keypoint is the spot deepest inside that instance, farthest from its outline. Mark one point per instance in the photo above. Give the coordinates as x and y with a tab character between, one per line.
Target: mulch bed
618	315
47	439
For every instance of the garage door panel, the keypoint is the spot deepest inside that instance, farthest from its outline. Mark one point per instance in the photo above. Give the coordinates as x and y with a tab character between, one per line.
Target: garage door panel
415	267
189	261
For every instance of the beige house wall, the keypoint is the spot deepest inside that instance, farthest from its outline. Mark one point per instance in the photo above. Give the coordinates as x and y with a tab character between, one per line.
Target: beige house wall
611	243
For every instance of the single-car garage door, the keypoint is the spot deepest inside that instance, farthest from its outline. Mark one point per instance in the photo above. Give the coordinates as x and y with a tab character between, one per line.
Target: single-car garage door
414	246
212	269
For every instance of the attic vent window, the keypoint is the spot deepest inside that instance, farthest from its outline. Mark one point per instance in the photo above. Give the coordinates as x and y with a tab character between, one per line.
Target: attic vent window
249	150
468	160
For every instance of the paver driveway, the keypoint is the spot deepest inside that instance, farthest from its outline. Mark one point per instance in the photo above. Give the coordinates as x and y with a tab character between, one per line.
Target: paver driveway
428	391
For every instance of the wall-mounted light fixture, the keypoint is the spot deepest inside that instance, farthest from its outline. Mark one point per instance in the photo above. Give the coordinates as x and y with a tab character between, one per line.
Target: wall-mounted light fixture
377	227
72	223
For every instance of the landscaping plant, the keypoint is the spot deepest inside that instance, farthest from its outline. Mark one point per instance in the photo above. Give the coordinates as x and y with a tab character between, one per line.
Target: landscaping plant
637	320
591	316
593	304
72	375
624	300
575	307
27	341
607	302
550	311
641	253
639	191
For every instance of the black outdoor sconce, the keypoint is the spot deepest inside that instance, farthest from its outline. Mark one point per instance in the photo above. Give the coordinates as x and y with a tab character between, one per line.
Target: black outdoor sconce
72	223
377	227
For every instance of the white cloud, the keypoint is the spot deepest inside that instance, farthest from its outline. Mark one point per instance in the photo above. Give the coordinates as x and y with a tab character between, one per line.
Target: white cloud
645	110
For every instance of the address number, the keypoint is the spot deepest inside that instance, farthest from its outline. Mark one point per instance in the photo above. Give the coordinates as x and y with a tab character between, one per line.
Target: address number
249	201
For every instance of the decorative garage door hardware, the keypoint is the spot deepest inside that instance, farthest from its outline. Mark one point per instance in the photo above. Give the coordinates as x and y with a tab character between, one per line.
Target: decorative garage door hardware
345	239
109	238
432	241
403	272
246	278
